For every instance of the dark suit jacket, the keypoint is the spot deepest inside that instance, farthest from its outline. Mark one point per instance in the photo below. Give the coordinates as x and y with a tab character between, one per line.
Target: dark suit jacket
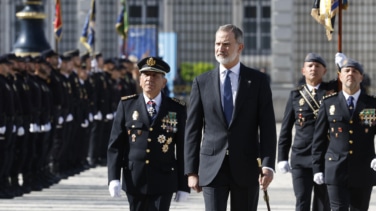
347	158
208	136
299	114
150	156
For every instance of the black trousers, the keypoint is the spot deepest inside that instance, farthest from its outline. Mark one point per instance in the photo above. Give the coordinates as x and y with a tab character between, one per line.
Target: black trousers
347	198
303	184
142	202
217	192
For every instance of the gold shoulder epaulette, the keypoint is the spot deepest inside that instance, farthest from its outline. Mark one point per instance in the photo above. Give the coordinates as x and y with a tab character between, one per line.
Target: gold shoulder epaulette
330	95
128	97
181	102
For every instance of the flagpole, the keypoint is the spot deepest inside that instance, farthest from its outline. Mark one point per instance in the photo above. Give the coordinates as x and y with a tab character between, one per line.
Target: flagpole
56	46
339	43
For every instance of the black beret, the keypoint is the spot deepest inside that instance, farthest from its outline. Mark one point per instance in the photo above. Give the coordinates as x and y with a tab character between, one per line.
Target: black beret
49	53
98	54
314	57
4	60
72	53
109	61
352	63
153	64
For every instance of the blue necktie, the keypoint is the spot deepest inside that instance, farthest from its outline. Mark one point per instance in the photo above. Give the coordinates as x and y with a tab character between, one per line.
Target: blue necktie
228	105
350	104
152	110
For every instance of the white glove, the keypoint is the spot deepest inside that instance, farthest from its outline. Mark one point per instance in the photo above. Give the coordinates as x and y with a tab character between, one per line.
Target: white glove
60	120
98	116
284	166
181	196
318	178
3	129
14	129
69	118
85	124
20	131
46	127
38	128
109	116
340	57
115	188
33	128
91	117
373	164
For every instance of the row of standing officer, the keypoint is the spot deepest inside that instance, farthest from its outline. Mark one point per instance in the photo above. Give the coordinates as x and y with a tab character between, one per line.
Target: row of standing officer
49	109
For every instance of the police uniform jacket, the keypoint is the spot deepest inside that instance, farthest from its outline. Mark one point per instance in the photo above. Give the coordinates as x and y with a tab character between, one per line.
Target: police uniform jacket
150	154
299	113
346	159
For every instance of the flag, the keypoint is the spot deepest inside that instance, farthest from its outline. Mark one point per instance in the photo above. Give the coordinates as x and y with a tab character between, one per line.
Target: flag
122	21
58	22
88	31
324	12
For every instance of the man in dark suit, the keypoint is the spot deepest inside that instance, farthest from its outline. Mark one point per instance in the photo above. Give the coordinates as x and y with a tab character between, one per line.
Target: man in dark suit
347	162
229	107
147	144
301	112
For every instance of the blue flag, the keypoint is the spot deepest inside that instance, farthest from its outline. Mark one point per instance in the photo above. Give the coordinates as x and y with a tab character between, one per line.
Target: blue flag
88	31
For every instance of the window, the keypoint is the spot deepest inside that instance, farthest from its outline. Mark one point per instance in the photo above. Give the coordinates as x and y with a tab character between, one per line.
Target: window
257	27
143	13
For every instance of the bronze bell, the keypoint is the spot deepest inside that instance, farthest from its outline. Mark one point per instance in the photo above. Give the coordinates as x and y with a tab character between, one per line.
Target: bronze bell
31	39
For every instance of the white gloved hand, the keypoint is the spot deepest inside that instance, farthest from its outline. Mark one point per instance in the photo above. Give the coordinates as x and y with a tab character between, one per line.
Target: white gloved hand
85	124
38	128
318	178
98	116
3	129
109	116
115	188
284	166
33	128
69	118
181	196
60	120
91	117
14	129
373	164
340	57
45	127
20	131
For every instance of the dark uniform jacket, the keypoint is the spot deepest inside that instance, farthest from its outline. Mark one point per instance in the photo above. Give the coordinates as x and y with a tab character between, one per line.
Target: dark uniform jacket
150	154
347	158
298	113
253	113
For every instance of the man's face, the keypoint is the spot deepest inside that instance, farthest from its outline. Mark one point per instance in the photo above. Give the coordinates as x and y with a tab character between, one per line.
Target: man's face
350	78
152	83
227	49
313	72
53	60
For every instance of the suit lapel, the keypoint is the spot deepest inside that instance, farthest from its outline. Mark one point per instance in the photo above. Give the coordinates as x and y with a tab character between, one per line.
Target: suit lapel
343	105
144	115
243	91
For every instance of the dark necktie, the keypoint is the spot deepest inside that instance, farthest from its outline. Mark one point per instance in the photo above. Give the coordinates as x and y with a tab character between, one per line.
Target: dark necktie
314	93
228	105
152	110
350	104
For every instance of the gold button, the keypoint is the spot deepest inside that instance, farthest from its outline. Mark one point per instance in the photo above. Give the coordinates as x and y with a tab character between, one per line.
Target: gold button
334	120
350	131
350	152
151	129
147	161
132	126
172	169
149	139
330	158
351	142
351	122
147	150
